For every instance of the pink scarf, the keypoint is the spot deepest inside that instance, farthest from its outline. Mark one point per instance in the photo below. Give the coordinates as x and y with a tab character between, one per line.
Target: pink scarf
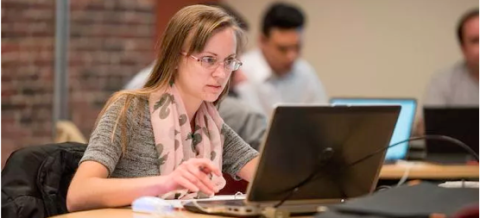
173	137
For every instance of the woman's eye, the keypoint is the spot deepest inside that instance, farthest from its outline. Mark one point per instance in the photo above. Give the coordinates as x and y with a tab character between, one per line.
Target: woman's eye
229	61
209	60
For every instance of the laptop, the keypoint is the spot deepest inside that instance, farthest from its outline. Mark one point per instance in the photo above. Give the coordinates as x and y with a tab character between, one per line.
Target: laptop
403	127
460	123
316	142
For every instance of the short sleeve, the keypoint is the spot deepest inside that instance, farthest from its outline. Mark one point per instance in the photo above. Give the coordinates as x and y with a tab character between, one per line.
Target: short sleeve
101	148
236	152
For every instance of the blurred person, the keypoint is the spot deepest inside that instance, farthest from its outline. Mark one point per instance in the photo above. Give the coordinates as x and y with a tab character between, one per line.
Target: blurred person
167	139
457	86
275	71
248	123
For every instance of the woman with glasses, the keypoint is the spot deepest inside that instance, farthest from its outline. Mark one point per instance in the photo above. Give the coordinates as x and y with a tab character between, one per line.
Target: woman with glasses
167	138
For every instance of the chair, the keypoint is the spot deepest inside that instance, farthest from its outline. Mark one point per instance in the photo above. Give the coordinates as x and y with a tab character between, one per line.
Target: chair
35	179
233	186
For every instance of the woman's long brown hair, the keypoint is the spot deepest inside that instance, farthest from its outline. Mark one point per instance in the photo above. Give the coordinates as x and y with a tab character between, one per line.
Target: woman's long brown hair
189	28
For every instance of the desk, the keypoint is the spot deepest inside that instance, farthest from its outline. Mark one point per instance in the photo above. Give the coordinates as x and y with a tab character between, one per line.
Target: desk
128	213
394	171
125	213
421	170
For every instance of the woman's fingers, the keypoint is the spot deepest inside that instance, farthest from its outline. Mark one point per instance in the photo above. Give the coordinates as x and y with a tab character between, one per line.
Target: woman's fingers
185	183
203	179
194	175
207	166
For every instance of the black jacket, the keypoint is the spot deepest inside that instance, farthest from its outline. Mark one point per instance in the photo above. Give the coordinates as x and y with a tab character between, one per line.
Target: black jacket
35	179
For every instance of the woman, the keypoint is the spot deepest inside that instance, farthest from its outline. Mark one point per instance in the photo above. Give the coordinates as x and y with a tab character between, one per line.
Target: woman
168	137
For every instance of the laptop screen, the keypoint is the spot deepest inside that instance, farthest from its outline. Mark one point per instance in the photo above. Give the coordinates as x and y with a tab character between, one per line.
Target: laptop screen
403	126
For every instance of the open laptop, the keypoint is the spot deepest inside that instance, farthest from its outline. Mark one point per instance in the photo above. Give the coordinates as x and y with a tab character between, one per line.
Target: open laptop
322	141
460	123
404	125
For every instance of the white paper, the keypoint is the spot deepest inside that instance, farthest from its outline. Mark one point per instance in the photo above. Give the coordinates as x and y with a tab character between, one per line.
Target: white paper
459	184
179	203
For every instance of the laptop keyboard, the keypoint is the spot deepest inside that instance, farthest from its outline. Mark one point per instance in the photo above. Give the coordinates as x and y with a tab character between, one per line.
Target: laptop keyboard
237	202
234	202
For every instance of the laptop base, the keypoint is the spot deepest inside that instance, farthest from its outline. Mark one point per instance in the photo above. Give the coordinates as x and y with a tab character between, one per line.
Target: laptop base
234	208
238	208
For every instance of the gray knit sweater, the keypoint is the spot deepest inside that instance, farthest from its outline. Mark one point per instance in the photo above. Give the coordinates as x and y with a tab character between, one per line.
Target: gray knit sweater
141	156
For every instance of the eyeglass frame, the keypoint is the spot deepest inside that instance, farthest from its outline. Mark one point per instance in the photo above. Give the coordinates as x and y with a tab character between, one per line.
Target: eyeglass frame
199	59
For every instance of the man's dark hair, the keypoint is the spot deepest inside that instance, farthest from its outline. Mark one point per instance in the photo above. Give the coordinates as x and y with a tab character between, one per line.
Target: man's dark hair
229	10
282	16
466	17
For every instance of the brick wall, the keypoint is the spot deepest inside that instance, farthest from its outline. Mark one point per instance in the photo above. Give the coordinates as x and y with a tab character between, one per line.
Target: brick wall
109	42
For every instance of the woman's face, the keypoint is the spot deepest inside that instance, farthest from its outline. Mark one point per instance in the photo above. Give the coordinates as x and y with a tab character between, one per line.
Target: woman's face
204	75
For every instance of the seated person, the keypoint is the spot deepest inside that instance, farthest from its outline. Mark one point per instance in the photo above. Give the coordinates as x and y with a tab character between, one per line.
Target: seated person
457	86
248	123
275	72
167	139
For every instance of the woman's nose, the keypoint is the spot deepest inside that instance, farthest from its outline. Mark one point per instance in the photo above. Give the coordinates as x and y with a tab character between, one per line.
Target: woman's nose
221	72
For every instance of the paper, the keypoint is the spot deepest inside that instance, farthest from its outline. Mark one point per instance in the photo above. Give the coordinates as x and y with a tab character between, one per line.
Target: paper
178	204
459	184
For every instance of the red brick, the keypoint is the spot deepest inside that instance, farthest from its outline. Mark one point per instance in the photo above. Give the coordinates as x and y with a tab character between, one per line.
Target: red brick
3	13
110	41
8	146
27	3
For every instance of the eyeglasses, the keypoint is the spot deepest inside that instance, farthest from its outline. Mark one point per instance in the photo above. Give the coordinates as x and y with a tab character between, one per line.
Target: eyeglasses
210	62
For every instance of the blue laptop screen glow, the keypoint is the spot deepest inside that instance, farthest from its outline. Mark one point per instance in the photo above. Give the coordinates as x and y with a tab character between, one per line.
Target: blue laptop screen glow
404	124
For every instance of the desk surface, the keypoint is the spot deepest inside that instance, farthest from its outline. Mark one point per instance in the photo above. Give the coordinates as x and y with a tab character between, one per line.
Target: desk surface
420	170
125	213
394	171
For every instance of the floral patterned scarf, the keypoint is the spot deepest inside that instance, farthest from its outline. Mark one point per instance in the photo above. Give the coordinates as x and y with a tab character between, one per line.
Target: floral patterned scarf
174	139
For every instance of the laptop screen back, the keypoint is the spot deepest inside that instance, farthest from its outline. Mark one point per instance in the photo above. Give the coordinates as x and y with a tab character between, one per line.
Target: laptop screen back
327	141
459	123
403	126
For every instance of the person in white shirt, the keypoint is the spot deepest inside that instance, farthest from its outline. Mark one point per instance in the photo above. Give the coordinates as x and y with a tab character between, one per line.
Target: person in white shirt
275	72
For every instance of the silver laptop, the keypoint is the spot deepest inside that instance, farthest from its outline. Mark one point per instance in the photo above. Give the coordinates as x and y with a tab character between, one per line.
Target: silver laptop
312	156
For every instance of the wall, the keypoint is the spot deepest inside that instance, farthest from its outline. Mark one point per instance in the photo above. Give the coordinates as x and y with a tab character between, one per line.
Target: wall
169	8
27	72
109	42
374	47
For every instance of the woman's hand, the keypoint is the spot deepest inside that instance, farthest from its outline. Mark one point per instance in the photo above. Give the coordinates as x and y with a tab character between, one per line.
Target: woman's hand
194	175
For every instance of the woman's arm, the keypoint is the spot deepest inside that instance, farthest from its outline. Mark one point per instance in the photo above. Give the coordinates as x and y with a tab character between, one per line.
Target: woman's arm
239	158
90	187
248	171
